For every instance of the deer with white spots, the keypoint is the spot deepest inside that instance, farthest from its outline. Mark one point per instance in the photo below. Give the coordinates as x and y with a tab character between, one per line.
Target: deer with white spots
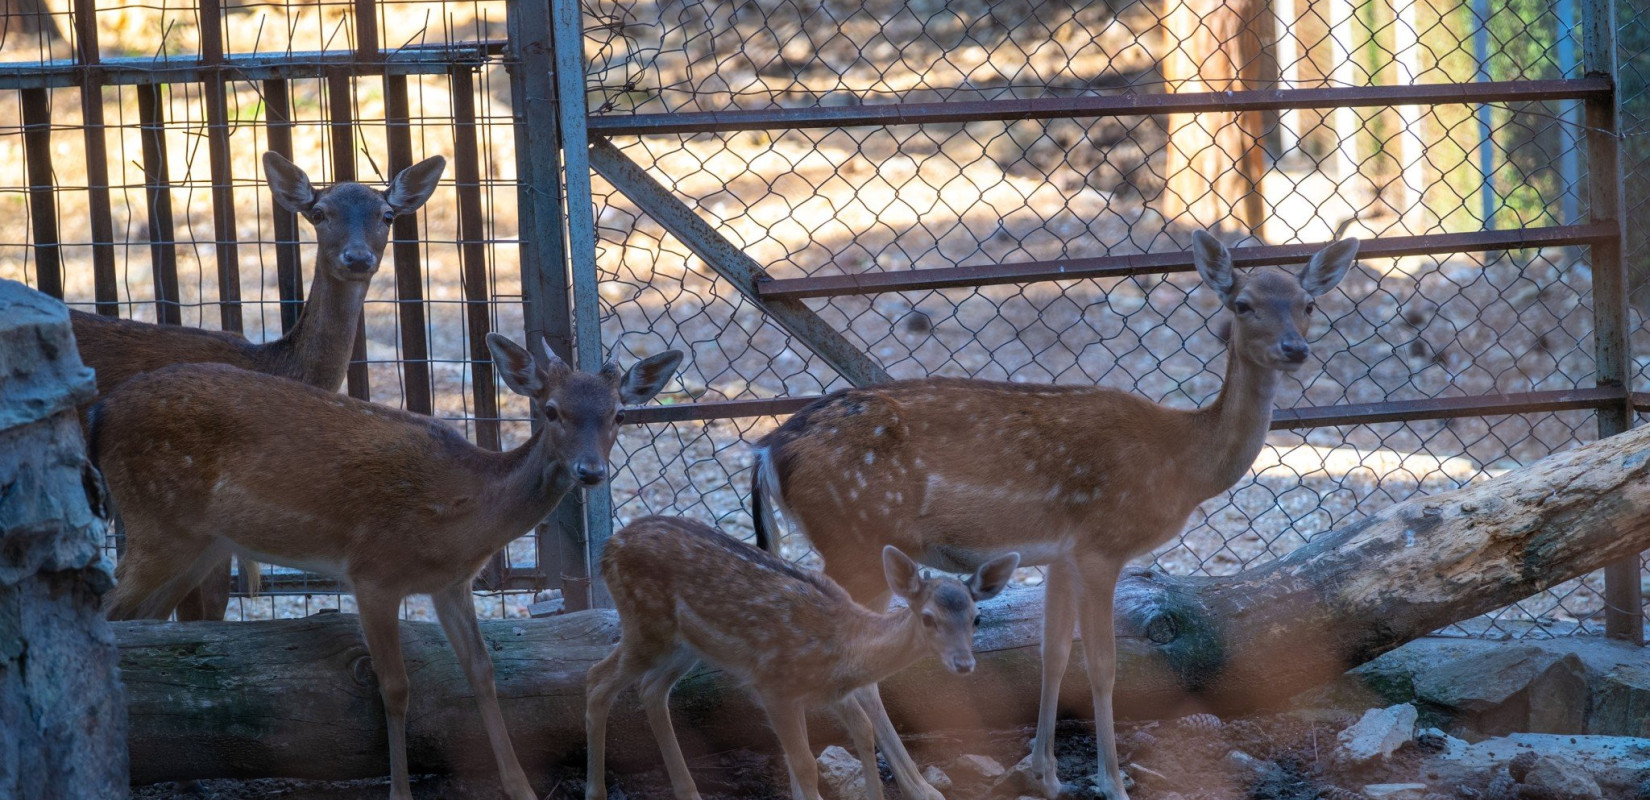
204	460
1080	479
686	591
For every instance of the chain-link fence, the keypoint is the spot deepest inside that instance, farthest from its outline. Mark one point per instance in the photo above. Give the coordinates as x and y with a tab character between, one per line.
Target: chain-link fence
984	189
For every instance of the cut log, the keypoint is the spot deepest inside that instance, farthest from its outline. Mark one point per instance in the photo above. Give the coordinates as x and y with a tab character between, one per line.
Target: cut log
296	698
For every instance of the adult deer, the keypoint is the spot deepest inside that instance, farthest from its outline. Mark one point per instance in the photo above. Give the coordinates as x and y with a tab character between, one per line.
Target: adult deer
685	590
1080	479
204	460
352	226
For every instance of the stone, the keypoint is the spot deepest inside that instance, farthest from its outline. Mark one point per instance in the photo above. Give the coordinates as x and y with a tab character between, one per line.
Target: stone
1395	791
973	768
936	777
841	776
1560	779
1614	763
1432	740
1378	733
1621	701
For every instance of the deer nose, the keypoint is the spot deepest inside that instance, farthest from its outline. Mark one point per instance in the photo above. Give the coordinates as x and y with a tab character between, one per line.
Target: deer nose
590	474
962	666
358	259
1295	351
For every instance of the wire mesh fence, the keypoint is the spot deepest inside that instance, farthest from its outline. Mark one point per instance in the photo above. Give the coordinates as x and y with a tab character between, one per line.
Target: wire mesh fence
812	196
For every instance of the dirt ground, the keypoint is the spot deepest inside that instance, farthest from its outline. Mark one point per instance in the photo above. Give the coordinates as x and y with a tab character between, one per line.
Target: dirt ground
1285	756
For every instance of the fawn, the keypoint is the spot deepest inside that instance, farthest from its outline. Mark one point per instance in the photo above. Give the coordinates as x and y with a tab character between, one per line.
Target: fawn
203	460
1078	478
352	226
685	590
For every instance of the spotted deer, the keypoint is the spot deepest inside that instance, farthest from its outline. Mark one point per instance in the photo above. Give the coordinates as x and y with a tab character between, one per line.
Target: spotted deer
1080	479
686	591
206	460
352	226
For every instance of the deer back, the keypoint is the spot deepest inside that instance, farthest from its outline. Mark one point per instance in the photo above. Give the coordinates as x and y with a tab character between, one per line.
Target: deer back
118	349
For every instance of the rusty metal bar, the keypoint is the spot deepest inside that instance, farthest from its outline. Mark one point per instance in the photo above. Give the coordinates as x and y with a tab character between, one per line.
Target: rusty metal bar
366	31
732	264
409	272
140	71
157	187
1623	599
1179	261
1282	419
37	150
106	287
341	127
473	256
1116	105
226	249
289	270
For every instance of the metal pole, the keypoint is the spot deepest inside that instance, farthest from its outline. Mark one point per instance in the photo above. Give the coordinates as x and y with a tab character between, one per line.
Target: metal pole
1486	135
1569	158
1624	608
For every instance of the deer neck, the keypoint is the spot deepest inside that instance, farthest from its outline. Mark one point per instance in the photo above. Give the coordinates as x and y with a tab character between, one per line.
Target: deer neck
525	484
881	645
1233	429
317	349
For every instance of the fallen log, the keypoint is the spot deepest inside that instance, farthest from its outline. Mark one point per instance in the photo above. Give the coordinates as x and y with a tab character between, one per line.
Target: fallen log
296	698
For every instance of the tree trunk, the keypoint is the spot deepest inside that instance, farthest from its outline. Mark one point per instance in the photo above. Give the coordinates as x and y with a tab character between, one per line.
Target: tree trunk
296	697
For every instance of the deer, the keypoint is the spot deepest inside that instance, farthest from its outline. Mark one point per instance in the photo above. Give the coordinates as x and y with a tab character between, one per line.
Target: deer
203	460
352	227
1079	479
685	591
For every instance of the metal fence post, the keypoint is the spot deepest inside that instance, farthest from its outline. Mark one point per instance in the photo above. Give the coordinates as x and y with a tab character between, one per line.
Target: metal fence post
545	294
1623	612
567	31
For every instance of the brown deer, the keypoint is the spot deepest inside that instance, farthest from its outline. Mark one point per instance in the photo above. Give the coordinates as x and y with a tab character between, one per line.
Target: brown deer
684	590
1080	479
202	460
352	226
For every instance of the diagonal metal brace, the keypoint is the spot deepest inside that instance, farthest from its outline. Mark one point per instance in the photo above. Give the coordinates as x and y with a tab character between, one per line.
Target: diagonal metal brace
731	263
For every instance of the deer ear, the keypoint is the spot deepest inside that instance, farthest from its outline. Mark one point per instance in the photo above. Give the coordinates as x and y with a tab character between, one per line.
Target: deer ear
992	577
647	377
289	183
901	572
1328	266
414	185
515	365
1214	263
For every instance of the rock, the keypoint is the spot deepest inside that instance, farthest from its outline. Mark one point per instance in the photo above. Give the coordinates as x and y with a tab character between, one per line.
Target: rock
1395	791
1519	767
841	776
1378	733
936	777
1243	762
1559	779
972	769
1502	787
1016	781
1621	701
1613	762
1432	740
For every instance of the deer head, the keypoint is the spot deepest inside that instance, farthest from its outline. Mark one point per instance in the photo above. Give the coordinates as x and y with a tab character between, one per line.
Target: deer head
945	606
580	411
1270	310
352	221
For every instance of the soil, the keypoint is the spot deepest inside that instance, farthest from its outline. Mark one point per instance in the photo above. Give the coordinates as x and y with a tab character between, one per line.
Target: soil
1286	756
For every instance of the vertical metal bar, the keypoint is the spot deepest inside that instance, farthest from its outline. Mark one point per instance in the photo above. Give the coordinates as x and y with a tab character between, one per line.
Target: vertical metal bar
472	253
223	182
1569	156
409	274
1624	611
545	291
162	249
106	289
289	269
37	148
567	31
341	124
366	30
1486	133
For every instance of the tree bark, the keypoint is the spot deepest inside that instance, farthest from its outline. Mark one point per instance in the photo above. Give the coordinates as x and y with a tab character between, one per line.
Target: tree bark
296	697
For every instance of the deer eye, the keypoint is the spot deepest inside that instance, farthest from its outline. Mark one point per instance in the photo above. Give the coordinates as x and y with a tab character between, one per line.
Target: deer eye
976	620
1242	307
1311	307
618	418
389	217
928	621
316	215
550	413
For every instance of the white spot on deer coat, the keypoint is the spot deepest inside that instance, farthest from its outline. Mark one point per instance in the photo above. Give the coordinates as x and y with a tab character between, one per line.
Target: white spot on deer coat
870	458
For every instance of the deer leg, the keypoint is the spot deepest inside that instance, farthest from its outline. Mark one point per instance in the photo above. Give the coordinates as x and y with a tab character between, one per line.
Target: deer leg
456	610
153	577
858	724
1059	615
655	692
603	683
209	599
1099	581
867	586
791	724
382	628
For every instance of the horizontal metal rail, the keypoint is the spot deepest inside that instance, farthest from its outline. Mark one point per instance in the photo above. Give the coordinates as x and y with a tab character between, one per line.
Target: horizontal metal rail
412	60
1180	261
1282	419
1113	105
